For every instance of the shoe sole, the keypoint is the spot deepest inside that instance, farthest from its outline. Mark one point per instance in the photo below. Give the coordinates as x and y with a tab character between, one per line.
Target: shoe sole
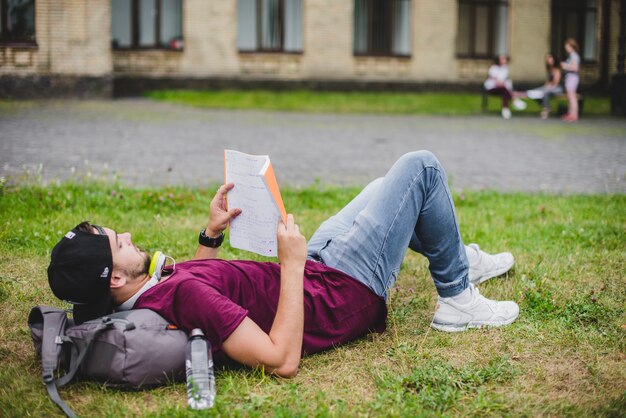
492	274
469	325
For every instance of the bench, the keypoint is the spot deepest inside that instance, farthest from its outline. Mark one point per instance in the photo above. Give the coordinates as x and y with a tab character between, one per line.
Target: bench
556	98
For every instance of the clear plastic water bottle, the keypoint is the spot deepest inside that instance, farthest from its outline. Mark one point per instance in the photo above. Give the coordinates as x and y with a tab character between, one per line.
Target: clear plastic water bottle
199	367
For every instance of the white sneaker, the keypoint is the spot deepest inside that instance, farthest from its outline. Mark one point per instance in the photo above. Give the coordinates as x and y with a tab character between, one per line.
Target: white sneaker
478	313
484	266
506	113
519	104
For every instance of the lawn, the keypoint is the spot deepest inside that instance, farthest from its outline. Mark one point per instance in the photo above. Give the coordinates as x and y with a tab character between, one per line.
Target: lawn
564	356
358	102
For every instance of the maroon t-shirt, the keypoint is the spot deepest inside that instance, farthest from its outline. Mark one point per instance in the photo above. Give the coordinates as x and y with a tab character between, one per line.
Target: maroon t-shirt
216	295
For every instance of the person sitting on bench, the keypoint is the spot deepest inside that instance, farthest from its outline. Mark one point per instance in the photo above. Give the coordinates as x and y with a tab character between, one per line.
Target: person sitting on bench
500	84
552	86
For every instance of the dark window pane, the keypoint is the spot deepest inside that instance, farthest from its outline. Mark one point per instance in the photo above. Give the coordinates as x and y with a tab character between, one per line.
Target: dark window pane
557	40
572	4
589	43
270	24
20	20
401	27
481	30
571	25
171	23
147	15
120	23
501	30
293	25
381	27
360	26
463	34
246	25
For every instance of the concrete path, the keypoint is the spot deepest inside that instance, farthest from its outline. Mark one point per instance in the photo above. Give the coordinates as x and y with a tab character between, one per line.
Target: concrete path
146	143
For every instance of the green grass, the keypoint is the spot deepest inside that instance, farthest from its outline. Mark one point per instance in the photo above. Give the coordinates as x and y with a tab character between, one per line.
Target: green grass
564	356
356	102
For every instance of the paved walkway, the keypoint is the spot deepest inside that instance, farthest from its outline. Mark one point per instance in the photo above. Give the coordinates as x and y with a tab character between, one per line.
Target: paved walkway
142	142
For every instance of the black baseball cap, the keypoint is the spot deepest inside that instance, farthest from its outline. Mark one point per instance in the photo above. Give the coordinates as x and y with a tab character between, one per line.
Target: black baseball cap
80	273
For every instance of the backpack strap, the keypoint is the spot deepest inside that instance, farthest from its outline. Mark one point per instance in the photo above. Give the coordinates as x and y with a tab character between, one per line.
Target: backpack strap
53	322
78	354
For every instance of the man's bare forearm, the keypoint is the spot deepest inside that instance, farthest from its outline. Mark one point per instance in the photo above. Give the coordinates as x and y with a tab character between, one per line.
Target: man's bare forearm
202	252
288	327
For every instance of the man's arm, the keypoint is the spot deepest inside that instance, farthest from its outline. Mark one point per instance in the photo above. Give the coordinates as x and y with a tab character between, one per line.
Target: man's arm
280	350
218	221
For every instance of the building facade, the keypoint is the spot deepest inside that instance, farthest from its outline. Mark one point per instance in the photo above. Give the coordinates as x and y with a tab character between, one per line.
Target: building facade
105	47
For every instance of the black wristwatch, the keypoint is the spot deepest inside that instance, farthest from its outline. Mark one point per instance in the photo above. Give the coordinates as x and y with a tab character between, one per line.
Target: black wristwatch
208	241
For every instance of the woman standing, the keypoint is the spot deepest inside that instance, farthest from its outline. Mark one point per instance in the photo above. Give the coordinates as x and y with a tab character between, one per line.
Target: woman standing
571	66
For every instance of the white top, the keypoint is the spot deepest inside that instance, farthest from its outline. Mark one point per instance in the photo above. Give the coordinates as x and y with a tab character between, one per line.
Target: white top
573	59
498	74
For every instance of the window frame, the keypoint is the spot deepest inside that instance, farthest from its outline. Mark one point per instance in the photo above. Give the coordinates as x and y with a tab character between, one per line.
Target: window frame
4	17
370	32
134	29
259	49
559	9
492	6
280	24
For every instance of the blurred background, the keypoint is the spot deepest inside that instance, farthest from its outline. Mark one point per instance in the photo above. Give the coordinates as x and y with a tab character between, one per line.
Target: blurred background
112	48
350	85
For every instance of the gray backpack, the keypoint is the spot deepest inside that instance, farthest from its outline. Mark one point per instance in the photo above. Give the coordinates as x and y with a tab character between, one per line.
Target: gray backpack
131	349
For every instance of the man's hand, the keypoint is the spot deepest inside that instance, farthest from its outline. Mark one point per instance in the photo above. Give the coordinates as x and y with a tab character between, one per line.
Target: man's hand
291	244
218	215
218	221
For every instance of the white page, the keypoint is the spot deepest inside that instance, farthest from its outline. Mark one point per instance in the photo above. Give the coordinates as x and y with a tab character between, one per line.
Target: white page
255	228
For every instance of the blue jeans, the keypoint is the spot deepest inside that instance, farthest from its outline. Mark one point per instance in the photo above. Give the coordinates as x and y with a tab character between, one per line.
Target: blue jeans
411	207
548	93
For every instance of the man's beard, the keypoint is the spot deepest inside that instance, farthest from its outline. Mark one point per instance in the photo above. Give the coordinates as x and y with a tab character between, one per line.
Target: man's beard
140	271
146	264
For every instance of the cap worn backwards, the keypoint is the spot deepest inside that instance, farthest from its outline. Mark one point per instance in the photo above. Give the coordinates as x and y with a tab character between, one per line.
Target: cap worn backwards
80	273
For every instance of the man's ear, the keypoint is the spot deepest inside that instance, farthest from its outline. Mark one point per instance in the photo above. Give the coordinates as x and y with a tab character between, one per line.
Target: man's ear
118	280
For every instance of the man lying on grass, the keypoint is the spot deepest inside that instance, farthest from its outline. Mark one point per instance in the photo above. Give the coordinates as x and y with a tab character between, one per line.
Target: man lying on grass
269	314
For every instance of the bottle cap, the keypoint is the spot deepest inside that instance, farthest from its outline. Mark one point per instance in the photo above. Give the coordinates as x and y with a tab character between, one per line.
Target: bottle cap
196	332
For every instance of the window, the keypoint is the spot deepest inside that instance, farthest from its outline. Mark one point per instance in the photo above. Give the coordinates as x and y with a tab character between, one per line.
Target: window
575	19
17	21
269	25
483	28
137	24
382	27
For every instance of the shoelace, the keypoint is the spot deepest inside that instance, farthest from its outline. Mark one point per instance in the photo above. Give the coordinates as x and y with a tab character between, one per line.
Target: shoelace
481	259
478	297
